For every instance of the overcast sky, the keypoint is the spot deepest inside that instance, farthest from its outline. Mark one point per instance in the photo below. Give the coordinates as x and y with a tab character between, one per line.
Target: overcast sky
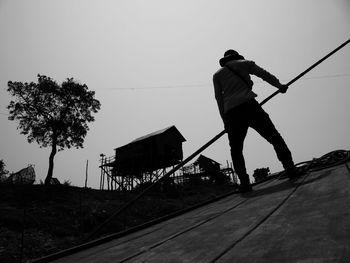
151	65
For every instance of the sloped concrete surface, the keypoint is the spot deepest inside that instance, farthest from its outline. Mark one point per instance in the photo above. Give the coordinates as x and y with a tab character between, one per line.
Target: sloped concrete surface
280	221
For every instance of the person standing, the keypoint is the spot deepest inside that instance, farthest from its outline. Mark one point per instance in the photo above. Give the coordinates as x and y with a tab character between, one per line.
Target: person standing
239	110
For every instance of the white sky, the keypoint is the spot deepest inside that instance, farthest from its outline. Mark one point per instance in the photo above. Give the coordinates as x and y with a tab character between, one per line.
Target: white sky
151	65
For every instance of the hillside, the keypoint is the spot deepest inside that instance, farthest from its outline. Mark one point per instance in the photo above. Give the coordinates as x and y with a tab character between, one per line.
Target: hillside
48	219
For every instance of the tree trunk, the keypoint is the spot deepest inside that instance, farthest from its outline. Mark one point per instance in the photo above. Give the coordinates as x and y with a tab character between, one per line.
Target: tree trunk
52	156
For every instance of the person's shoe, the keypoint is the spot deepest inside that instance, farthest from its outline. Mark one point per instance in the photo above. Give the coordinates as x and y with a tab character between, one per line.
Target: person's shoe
245	188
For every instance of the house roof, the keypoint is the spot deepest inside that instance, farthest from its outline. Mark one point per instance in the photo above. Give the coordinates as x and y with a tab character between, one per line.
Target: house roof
157	133
202	157
25	170
160	132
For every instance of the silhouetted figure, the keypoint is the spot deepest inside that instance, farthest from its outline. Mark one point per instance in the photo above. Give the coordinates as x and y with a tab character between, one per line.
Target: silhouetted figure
239	110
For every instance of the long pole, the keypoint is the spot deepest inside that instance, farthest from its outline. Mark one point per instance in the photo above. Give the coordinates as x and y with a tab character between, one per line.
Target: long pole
177	167
306	71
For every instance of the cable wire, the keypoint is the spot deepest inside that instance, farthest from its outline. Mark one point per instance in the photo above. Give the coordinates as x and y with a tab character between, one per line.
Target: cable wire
209	85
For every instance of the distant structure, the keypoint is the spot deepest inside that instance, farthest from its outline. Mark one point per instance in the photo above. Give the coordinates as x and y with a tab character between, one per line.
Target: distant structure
24	176
143	160
55	181
206	170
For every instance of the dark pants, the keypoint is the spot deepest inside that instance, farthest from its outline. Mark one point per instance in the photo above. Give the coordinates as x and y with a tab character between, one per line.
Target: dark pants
237	122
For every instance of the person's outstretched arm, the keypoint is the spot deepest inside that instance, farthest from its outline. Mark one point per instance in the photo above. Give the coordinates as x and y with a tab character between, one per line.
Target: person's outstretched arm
266	76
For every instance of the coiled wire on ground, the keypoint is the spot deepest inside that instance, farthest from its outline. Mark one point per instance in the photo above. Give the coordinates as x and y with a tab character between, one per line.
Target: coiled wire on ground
328	160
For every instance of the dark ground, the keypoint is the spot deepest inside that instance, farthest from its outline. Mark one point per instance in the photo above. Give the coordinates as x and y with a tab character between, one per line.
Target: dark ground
48	219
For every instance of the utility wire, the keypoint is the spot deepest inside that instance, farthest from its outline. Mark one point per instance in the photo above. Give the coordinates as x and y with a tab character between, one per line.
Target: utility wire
328	76
208	85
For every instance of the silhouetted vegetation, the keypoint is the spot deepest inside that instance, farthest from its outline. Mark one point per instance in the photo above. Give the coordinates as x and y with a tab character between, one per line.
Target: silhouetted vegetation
2	168
51	114
3	171
261	174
